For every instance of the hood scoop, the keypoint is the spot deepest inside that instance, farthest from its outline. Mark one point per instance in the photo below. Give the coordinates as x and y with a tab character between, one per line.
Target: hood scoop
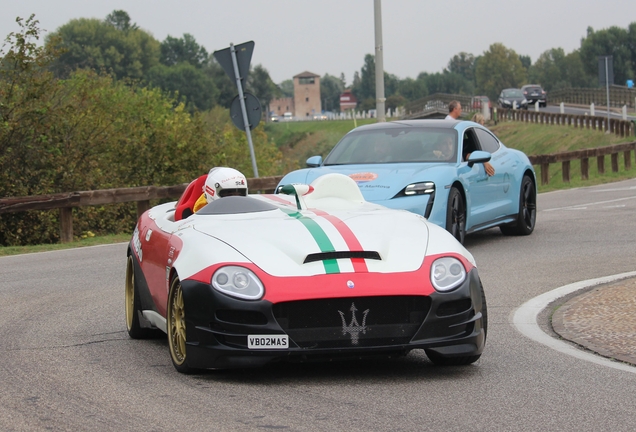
323	256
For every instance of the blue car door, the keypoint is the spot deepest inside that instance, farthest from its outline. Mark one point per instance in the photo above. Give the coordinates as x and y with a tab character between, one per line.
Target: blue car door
477	183
499	194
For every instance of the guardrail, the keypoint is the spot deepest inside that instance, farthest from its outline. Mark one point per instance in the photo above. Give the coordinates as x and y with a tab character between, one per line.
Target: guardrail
584	156
64	202
141	195
616	126
618	96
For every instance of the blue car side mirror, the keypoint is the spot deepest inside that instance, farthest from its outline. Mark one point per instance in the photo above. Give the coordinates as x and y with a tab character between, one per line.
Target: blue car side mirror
314	161
478	157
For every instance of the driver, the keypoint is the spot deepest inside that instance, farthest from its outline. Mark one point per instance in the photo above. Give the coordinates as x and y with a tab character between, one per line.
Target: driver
221	182
445	148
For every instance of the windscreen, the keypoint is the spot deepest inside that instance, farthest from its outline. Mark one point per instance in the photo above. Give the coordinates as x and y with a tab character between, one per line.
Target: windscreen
395	145
513	93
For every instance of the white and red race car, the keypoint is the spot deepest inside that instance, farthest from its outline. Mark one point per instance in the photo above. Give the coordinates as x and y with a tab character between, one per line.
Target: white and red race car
318	273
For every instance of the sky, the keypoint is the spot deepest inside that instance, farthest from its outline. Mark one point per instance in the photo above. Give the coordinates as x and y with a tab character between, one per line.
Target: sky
333	36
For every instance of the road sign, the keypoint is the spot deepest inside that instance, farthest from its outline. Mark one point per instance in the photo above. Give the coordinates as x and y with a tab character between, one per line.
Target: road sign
243	58
235	60
253	108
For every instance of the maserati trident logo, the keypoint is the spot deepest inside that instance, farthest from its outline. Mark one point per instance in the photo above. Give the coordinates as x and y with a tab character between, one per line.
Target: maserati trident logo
354	329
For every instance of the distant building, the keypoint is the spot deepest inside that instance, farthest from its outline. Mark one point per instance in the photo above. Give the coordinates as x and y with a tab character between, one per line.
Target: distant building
307	95
348	101
278	107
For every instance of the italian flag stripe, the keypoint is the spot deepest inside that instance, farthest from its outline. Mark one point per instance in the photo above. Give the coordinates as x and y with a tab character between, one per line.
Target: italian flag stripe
321	238
359	265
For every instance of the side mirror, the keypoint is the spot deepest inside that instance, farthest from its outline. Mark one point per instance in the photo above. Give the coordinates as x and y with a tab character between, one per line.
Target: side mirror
314	161
478	157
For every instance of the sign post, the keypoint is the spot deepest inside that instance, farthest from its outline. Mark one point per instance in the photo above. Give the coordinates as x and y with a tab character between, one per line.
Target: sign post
606	76
235	60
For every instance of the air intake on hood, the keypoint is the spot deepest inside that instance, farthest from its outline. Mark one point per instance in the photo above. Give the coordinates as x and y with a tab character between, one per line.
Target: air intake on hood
341	255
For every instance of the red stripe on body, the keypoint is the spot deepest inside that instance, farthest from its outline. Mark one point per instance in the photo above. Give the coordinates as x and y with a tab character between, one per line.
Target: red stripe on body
277	199
359	265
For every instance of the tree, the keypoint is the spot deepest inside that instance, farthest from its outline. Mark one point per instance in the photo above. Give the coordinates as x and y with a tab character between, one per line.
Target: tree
412	89
187	83
463	64
287	88
185	49
497	69
614	42
446	82
120	20
555	70
330	90
112	45
261	85
525	60
364	88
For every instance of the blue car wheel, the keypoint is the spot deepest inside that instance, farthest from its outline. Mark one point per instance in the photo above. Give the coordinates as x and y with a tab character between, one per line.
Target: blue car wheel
456	215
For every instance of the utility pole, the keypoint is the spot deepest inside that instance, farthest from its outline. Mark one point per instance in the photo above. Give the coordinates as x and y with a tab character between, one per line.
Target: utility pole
379	63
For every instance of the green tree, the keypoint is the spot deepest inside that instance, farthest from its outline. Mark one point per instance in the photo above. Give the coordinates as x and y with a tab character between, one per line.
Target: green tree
412	89
526	62
188	83
364	87
555	70
462	64
446	82
330	90
287	88
497	69
183	50
120	20
112	45
614	42
261	85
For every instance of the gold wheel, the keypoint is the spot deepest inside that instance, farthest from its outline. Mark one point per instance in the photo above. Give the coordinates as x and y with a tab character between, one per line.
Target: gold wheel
130	293
176	325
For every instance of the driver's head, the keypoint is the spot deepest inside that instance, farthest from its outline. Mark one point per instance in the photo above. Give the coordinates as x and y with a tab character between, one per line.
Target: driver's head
222	182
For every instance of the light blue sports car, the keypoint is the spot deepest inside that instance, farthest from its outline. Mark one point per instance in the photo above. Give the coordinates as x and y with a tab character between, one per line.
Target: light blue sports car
436	168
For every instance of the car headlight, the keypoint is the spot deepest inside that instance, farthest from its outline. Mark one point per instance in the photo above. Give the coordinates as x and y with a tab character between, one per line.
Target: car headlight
420	188
447	273
238	282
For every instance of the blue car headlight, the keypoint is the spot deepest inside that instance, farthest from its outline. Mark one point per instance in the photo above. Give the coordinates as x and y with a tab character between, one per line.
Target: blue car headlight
447	273
423	188
238	282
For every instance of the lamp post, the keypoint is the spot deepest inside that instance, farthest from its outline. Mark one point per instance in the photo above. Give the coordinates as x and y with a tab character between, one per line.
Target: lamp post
379	63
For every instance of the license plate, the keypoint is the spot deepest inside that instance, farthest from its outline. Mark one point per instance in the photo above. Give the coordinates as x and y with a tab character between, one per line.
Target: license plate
268	341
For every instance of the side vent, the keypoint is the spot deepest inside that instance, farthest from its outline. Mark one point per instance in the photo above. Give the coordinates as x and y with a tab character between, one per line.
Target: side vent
322	256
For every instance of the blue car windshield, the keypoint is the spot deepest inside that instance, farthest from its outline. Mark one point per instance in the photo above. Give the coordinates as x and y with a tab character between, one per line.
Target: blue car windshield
395	145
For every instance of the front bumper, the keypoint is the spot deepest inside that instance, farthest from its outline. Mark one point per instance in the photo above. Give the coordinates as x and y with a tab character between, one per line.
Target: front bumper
218	326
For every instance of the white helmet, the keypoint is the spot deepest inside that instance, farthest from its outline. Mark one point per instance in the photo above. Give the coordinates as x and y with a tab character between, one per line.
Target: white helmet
224	181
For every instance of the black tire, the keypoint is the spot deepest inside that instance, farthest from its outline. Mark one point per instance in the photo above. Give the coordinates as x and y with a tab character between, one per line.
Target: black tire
456	215
176	327
133	305
526	218
441	360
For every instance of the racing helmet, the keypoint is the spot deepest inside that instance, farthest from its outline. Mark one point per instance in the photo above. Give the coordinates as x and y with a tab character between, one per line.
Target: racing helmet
222	182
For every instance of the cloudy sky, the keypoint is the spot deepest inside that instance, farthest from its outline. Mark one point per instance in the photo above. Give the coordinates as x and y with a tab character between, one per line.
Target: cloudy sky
333	36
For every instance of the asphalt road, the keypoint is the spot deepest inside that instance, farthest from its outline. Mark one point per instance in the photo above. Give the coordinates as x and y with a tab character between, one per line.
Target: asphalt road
68	364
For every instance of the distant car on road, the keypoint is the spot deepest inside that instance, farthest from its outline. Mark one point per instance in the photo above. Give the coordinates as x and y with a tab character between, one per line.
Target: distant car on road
534	93
511	97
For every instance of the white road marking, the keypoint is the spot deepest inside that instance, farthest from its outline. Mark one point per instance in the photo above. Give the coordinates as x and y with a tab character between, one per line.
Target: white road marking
584	206
524	319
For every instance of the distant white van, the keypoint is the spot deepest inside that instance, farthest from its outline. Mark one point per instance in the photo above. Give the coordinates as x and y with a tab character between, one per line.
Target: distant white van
288	116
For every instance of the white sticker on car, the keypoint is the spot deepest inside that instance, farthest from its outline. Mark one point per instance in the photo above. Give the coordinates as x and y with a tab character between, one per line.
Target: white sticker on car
268	341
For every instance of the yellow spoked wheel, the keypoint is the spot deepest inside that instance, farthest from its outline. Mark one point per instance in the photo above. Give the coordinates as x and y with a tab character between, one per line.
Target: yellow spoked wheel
133	307
177	327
